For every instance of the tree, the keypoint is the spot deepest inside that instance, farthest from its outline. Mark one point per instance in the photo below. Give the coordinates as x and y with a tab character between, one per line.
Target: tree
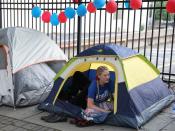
162	12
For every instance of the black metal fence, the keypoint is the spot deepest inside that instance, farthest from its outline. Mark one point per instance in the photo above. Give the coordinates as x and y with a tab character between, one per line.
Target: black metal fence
149	30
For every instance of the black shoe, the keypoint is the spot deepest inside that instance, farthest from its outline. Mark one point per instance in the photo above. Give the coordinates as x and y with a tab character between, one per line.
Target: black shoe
47	117
56	118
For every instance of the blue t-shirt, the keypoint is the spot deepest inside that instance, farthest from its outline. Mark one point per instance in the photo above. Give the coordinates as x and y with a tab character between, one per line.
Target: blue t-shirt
104	91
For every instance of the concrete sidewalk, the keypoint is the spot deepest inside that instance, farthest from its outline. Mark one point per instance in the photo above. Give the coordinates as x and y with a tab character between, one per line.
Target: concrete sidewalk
28	119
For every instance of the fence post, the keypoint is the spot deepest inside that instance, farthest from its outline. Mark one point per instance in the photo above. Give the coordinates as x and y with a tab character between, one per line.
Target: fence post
0	14
79	26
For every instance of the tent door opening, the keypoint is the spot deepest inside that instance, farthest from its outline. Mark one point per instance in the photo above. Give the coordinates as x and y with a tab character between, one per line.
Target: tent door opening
5	76
91	73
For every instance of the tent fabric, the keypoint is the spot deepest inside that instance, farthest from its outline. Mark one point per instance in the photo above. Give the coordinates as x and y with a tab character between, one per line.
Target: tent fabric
109	49
33	84
138	96
96	65
83	64
29	47
153	109
123	98
149	93
3	61
69	69
7	88
121	120
6	92
135	75
25	81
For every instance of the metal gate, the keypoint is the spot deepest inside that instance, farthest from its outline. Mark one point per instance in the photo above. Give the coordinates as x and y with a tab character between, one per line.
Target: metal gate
149	30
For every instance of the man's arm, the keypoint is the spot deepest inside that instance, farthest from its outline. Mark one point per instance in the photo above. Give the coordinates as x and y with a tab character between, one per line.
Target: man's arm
90	104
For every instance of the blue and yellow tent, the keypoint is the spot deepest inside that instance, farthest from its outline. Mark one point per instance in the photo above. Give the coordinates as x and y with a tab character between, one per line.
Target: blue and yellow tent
139	92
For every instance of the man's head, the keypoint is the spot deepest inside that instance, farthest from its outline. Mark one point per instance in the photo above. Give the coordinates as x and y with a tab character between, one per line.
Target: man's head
102	74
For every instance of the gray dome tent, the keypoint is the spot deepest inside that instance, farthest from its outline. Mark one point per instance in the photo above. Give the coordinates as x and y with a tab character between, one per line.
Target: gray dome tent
24	72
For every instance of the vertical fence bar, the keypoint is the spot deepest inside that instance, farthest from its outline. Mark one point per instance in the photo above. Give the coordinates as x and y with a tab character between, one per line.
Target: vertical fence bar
110	32
40	19
171	56
48	29
43	11
121	34
25	14
89	34
56	35
7	8
65	32
79	26
21	13
146	29
52	25
133	30
69	35
28	9
152	33
17	13
127	32
157	55
164	57
3	15
32	17
60	29
99	33
10	13
140	25
0	14
74	32
116	25
105	28
84	44
94	28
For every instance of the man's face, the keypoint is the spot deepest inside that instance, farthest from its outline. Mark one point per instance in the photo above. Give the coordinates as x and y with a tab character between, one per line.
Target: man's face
104	77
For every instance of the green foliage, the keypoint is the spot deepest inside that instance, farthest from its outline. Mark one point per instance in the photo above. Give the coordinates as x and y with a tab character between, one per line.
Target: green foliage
162	12
142	27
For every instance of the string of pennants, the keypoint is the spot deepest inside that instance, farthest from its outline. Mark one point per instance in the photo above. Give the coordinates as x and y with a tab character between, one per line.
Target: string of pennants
69	12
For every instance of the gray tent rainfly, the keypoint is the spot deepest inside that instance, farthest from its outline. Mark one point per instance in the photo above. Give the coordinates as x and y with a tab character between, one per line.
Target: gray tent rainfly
28	62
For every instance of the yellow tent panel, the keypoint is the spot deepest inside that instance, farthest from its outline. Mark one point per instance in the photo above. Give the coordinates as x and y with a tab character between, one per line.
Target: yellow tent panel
96	65
137	72
80	67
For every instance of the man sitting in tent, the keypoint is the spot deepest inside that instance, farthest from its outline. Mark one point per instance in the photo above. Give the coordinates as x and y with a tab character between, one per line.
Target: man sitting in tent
93	97
99	93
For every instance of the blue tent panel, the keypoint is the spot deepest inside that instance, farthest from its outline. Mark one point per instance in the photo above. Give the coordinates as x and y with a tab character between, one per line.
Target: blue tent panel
54	91
109	49
62	106
122	120
125	106
149	93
